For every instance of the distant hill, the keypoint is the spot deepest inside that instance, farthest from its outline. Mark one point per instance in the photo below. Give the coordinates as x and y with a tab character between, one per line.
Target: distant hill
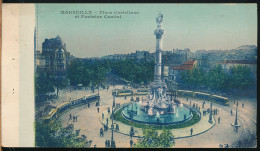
246	47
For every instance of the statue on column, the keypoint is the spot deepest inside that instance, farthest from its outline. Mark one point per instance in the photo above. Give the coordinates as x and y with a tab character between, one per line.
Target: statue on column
159	18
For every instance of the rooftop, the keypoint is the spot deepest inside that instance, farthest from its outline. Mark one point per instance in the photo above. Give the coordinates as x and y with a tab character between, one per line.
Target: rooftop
186	66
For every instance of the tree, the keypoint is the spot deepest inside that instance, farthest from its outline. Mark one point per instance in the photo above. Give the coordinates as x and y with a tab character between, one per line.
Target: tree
217	78
151	139
44	83
60	82
241	77
53	135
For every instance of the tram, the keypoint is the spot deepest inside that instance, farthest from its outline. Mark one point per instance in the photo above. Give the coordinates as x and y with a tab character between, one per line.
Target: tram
204	96
60	109
142	91
123	92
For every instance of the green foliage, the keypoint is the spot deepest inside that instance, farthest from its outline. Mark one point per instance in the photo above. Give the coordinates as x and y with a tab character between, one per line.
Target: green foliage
95	71
194	78
151	139
218	79
44	83
241	77
53	135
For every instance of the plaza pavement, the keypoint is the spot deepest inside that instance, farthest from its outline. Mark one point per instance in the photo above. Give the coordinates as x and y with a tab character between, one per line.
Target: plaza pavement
89	121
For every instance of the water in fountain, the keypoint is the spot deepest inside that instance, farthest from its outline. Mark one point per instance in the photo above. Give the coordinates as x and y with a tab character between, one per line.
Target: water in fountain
177	113
157	114
173	108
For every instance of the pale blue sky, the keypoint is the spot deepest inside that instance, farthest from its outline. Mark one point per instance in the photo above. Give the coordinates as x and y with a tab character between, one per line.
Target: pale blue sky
194	26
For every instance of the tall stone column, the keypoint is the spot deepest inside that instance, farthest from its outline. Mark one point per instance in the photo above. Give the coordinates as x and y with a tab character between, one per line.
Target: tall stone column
158	32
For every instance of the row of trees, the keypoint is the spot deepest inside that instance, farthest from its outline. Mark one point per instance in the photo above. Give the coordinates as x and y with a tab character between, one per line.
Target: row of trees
218	79
91	72
46	82
152	139
95	71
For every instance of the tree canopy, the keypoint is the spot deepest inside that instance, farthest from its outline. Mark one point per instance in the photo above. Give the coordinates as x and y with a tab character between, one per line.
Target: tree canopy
151	139
53	135
219	79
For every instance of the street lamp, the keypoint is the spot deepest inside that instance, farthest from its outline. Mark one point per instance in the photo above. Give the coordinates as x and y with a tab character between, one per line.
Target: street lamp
210	115
236	125
113	143
99	97
114	103
236	115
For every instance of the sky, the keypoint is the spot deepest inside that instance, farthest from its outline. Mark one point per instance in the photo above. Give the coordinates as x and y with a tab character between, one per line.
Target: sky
193	26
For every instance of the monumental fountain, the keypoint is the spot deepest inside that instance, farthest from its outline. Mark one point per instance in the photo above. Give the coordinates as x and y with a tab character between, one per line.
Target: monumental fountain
157	107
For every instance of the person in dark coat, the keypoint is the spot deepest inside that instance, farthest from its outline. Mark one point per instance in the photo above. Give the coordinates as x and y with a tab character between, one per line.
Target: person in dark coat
191	131
70	117
108	143
131	142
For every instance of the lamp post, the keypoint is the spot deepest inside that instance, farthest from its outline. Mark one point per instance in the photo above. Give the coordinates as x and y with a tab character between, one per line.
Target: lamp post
210	115
99	97
236	115
114	103
113	143
236	125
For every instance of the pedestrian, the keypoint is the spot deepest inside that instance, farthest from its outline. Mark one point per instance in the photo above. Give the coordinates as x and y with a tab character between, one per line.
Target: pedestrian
73	118
70	117
125	97
187	99
98	109
191	131
131	143
218	119
100	132
102	116
242	104
88	105
108	143
117	127
76	118
226	146
231	112
220	146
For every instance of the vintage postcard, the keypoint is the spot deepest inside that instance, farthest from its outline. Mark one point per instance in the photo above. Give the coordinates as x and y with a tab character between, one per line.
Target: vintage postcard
129	75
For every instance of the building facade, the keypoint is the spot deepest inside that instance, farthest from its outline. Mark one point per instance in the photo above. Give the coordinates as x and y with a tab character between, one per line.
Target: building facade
54	57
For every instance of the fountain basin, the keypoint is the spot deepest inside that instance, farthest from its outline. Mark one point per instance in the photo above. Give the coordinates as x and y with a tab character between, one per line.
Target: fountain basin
157	119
